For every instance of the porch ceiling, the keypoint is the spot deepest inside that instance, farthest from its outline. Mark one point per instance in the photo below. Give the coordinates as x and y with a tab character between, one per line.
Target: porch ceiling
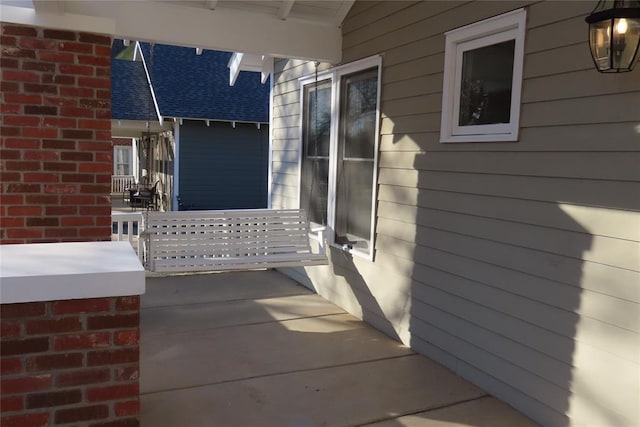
308	29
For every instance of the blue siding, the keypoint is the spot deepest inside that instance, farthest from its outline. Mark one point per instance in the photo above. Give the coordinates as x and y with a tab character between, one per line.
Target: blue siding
222	167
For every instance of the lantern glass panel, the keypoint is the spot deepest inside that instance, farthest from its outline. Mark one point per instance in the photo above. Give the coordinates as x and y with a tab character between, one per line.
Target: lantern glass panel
599	40
626	35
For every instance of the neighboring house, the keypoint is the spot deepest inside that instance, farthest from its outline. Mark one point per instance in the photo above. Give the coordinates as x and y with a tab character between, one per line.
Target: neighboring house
134	117
509	254
215	152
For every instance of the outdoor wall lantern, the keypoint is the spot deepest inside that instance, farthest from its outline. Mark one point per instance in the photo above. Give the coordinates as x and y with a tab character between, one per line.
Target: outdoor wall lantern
614	35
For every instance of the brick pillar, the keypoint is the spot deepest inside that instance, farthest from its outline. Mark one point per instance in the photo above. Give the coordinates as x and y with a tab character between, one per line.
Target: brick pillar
72	361
56	158
68	361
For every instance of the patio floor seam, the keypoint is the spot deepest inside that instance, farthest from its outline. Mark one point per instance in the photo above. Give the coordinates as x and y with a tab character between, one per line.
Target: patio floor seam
162	274
276	374
196	331
423	411
230	300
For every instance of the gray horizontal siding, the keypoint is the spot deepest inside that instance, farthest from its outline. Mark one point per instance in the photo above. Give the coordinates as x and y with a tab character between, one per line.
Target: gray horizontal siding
515	264
598	165
591	192
619	282
285	133
286	130
581	137
615	224
535	288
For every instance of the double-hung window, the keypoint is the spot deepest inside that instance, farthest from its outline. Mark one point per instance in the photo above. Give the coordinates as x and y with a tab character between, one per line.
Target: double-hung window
338	164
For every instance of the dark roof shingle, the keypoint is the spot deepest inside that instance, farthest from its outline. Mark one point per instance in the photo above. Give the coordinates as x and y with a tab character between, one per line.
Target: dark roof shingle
130	95
197	86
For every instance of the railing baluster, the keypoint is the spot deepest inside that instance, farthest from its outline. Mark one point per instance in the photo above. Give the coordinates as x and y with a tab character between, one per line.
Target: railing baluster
133	237
121	182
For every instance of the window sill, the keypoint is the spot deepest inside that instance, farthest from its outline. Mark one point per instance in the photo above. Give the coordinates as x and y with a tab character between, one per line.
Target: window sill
352	251
504	137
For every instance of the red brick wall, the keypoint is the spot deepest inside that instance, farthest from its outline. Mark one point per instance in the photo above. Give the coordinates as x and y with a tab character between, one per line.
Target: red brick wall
74	361
56	158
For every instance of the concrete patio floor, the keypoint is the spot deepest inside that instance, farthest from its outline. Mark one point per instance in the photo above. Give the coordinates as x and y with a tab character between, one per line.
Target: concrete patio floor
256	349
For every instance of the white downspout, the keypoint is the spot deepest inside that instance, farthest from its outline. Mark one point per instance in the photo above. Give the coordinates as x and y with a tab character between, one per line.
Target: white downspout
135	167
150	83
270	168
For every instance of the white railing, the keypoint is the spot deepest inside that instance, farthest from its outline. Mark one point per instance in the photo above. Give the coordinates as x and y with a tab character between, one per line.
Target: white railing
127	226
121	182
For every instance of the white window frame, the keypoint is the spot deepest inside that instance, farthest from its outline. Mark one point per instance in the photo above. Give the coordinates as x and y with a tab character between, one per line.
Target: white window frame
129	155
508	26
306	81
335	75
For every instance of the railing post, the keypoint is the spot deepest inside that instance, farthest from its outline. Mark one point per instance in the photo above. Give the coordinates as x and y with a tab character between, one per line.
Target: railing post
143	243
319	236
130	218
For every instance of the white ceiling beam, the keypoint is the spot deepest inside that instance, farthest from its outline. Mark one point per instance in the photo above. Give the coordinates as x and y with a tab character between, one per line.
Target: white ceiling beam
211	4
262	64
226	30
47	6
251	62
285	8
267	68
65	21
234	67
343	11
168	23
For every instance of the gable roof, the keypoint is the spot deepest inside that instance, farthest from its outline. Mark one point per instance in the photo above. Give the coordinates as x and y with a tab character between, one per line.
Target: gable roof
130	94
197	86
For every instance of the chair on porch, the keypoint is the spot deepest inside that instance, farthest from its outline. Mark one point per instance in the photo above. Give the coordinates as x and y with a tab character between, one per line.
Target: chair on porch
128	190
146	197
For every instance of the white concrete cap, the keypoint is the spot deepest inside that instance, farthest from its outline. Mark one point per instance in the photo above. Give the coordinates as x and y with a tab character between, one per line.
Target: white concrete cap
62	271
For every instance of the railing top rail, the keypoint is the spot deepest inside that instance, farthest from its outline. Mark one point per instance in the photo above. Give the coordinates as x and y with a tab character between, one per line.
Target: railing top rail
126	216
